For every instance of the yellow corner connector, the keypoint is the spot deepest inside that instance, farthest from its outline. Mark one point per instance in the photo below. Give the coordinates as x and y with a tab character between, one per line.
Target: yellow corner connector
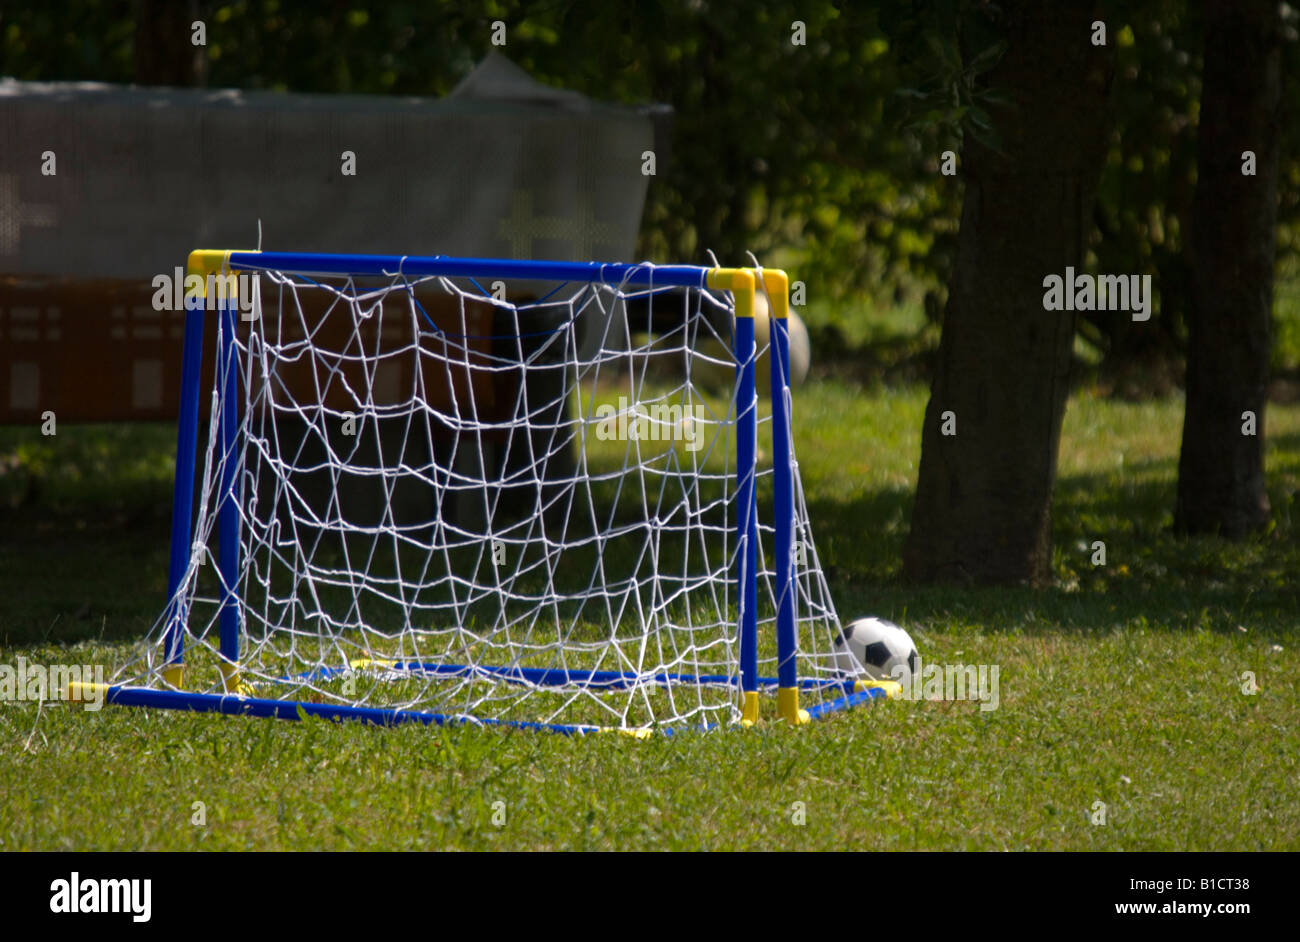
777	286
366	663
893	689
749	713
173	676
787	706
208	263
740	282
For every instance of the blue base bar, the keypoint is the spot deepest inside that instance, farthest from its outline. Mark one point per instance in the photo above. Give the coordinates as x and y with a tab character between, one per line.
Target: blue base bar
846	702
294	710
232	705
572	677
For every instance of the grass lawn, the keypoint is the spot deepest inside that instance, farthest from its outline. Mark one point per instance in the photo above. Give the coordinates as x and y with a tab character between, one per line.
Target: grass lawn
1122	685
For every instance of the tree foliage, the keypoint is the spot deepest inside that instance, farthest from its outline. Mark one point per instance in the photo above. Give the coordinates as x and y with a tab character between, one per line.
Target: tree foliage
823	156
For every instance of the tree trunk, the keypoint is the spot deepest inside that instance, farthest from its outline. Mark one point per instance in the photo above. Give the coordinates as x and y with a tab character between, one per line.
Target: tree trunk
983	499
164	51
1221	469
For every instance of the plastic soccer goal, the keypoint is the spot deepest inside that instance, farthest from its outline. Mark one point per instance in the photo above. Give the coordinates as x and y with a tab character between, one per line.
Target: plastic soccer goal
536	494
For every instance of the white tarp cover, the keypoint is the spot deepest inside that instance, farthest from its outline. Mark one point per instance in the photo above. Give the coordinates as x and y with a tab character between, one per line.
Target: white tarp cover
504	166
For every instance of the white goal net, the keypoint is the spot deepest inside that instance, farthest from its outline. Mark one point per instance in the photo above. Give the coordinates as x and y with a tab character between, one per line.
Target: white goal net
490	499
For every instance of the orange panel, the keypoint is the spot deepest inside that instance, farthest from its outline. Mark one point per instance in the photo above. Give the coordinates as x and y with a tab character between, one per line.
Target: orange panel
97	351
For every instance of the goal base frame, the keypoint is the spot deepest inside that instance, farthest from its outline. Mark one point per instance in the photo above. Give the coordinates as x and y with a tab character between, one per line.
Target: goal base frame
856	692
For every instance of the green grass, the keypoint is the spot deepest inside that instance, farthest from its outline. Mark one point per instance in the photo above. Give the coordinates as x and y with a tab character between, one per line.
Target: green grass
1122	684
1286	322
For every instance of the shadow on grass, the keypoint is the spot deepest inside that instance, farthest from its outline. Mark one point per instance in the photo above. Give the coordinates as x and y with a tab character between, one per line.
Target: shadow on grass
1151	576
84	545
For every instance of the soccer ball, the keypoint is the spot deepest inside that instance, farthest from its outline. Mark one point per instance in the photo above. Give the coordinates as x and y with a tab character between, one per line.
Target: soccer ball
877	647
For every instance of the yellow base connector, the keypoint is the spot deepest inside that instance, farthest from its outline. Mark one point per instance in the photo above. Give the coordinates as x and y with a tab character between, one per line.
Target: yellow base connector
749	713
231	682
787	706
82	692
366	663
173	676
630	733
893	689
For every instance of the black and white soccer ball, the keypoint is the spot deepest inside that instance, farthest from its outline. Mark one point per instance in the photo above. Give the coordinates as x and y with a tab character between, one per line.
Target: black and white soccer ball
878	648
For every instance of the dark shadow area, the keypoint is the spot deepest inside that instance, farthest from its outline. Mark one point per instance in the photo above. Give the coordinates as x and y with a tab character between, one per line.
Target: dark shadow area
1150	575
85	528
